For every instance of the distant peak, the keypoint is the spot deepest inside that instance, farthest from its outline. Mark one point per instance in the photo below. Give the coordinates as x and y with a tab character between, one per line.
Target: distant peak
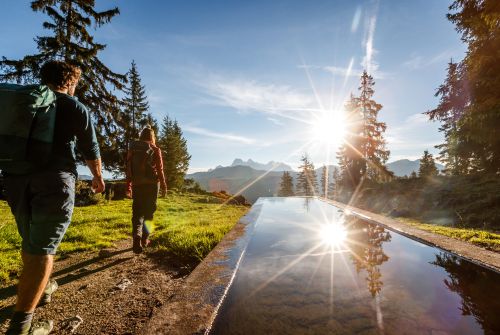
272	165
237	161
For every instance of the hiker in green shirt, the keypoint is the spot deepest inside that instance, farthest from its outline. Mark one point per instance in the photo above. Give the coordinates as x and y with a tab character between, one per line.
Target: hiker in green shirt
42	201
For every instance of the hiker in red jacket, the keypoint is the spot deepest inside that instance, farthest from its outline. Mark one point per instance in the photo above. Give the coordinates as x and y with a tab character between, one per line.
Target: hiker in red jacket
144	173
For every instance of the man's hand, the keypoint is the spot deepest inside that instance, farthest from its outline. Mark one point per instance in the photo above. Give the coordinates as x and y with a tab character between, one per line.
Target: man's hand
97	181
98	184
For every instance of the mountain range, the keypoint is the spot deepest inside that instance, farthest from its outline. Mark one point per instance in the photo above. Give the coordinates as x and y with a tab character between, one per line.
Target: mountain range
272	165
254	180
404	167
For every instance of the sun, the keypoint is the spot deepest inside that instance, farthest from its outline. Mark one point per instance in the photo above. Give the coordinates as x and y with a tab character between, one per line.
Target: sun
328	129
333	234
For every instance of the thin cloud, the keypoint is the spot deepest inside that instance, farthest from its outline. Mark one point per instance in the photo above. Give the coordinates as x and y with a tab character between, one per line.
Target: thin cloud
346	72
343	71
368	62
415	134
417	118
417	62
223	136
271	99
276	121
356	19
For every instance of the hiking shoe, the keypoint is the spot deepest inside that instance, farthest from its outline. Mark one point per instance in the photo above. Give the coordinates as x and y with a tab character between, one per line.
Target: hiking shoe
47	293
145	242
136	246
41	327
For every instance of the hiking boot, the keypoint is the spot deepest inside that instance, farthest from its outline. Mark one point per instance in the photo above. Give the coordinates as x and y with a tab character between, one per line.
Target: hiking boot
136	246
145	242
41	327
47	293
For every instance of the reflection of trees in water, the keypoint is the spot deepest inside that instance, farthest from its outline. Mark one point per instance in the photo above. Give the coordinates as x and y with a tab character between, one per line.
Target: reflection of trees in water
365	243
479	289
307	203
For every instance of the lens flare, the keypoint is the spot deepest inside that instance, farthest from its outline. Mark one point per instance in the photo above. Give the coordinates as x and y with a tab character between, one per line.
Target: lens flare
328	129
149	227
333	234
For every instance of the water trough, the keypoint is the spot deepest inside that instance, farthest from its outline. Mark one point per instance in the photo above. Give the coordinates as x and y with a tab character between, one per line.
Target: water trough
304	266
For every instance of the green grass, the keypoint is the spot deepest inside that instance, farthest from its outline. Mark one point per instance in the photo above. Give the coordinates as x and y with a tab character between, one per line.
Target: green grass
186	225
481	238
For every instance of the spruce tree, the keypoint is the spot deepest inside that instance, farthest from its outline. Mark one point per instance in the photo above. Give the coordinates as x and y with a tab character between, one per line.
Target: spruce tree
175	153
454	99
334	184
372	146
135	105
478	22
427	166
307	183
286	185
363	154
134	115
324	181
72	42
349	154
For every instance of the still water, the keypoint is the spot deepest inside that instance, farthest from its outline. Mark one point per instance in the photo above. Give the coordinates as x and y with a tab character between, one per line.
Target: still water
310	268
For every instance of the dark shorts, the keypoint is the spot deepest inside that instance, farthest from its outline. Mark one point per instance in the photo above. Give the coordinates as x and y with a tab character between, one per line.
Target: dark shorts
42	204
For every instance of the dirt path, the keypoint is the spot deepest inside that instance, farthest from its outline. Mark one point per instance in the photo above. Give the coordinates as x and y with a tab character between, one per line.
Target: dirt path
88	288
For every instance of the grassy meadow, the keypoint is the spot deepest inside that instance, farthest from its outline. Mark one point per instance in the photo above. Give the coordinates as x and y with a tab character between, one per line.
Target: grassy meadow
485	239
186	225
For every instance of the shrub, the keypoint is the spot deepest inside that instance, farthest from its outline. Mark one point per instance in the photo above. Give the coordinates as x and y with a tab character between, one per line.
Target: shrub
84	195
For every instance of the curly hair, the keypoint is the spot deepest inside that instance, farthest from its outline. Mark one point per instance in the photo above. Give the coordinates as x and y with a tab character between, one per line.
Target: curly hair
59	74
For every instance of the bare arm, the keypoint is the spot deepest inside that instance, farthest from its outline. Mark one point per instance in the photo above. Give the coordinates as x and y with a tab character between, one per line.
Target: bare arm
96	170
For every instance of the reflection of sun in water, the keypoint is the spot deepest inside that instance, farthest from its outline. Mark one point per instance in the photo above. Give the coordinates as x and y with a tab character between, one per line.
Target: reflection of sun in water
333	234
328	129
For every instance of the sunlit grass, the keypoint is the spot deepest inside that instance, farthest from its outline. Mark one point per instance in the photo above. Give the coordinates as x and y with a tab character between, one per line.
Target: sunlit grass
478	237
186	225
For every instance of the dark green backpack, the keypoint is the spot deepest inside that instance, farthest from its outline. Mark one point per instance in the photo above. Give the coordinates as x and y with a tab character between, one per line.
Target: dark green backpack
27	120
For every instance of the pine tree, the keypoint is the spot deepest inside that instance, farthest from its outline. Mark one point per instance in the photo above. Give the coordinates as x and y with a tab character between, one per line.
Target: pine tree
335	183
286	185
175	154
135	105
454	99
349	154
324	181
478	22
307	183
363	154
372	146
72	42
134	115
427	166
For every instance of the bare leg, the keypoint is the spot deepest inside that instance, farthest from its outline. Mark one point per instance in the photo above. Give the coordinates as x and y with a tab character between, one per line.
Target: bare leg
34	278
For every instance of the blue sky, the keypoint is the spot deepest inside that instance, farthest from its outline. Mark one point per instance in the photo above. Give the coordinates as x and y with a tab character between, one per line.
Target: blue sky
246	79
